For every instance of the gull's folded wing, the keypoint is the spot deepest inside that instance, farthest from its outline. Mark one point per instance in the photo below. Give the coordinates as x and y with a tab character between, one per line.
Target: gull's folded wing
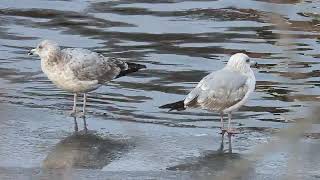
218	90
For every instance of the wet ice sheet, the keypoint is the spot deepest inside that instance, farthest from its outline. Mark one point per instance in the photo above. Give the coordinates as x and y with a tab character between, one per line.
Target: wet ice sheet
149	149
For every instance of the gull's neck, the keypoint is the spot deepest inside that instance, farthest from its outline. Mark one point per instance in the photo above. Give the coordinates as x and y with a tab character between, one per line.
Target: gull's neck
241	69
51	58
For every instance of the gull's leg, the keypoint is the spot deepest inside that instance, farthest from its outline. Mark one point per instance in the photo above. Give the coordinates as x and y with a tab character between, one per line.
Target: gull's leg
229	121
230	130
74	109
83	114
223	130
84	104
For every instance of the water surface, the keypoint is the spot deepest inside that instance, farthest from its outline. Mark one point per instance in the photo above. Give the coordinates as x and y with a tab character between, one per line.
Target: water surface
180	42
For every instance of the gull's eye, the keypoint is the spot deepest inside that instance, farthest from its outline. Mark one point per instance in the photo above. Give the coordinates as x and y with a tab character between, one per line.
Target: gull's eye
247	60
40	47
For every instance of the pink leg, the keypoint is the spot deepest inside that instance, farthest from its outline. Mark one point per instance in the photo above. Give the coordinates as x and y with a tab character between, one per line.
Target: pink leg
74	109
223	130
230	130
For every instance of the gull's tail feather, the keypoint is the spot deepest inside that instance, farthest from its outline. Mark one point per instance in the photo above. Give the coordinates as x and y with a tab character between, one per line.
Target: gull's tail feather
179	106
132	67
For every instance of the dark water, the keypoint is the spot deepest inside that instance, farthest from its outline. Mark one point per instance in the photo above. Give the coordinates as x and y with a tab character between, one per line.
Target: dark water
180	42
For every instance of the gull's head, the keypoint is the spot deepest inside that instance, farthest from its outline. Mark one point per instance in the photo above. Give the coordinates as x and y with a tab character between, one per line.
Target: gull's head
46	49
240	62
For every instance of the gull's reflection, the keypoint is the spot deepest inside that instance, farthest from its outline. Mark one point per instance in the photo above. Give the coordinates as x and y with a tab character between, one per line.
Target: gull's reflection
212	161
85	128
75	124
84	150
221	149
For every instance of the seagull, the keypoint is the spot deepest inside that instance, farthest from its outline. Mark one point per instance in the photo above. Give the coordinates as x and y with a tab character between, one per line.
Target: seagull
223	91
78	70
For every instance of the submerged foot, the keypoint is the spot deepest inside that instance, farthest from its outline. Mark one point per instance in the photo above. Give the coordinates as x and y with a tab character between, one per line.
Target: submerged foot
232	131
223	130
72	114
81	115
76	114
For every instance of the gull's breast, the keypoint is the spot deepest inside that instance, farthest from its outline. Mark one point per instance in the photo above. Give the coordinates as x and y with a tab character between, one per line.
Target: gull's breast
251	86
65	79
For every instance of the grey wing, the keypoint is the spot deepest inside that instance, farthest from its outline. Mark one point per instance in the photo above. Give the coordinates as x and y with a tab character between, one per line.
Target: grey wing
87	65
218	90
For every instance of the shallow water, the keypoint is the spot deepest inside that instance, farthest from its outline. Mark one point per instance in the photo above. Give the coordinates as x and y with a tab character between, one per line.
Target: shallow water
180	42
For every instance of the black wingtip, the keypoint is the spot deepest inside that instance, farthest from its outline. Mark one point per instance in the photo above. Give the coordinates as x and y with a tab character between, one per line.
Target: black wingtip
179	106
136	66
142	66
132	67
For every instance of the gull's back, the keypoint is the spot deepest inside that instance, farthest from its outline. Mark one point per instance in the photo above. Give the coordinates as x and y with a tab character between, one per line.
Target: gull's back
89	66
218	91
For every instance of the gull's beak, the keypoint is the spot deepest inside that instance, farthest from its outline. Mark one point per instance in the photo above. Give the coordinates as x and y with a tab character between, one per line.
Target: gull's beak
253	64
31	52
